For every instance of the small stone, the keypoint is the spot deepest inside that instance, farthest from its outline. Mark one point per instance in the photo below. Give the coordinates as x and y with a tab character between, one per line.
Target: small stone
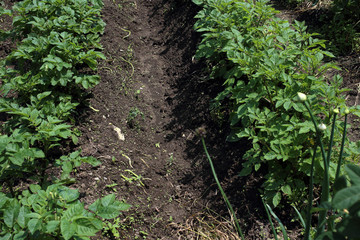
118	132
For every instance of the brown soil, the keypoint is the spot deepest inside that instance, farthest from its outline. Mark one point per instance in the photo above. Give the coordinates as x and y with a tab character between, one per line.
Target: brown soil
156	95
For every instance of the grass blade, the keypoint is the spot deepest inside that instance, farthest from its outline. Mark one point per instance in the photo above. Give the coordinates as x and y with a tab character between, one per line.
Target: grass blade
279	221
269	217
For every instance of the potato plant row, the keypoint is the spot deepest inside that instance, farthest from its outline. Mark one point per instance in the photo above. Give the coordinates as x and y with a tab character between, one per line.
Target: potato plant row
263	62
43	81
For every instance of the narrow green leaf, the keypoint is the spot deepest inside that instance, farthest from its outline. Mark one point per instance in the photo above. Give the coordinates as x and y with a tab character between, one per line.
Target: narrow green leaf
279	221
302	221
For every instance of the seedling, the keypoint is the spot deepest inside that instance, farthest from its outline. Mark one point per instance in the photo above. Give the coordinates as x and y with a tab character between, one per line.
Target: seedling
112	187
133	177
133	117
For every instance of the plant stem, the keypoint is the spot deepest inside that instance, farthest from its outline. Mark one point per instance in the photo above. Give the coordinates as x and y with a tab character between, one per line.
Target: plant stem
325	188
331	140
341	149
237	224
311	187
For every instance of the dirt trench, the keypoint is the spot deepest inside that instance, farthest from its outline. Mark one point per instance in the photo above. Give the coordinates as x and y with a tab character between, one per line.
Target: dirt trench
154	92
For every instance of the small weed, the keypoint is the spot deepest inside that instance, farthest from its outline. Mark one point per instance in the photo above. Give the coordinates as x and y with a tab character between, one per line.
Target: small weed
112	187
133	118
112	228
133	177
171	160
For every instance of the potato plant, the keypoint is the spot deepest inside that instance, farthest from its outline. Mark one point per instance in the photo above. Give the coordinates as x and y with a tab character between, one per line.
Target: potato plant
264	61
43	80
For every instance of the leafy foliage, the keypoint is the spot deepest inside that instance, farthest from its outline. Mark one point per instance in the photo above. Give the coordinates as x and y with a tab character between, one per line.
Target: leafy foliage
51	213
264	62
42	82
346	202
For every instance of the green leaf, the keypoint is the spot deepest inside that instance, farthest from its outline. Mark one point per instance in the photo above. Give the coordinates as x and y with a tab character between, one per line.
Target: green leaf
33	225
11	212
52	226
74	211
286	189
7	236
17	159
107	200
245	171
270	155
346	197
67	228
279	221
109	212
67	167
95	206
20	236
108	207
92	161
33	215
88	226
354	173
287	105
34	188
68	194
198	2
21	219
3	199
276	199
340	183
75	139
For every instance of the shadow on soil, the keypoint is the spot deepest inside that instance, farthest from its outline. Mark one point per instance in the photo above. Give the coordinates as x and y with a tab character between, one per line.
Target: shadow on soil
190	110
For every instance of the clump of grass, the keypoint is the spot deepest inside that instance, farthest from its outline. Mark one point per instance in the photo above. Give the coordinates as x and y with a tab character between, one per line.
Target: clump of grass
206	225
